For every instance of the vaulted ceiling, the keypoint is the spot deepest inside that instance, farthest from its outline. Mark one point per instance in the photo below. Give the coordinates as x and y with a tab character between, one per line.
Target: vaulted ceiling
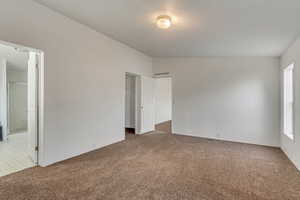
201	27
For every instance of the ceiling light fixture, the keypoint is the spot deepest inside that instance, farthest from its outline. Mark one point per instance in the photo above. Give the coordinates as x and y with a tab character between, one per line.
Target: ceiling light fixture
163	21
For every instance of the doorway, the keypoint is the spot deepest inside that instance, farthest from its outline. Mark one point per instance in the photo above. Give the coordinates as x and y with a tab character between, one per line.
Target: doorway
130	105
163	104
19	107
139	105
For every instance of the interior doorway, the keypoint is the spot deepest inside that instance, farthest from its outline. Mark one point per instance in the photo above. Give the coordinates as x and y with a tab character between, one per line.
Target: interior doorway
19	107
163	104
130	105
139	105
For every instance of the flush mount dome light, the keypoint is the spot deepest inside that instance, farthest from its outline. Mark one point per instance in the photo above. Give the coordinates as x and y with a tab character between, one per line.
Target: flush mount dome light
163	21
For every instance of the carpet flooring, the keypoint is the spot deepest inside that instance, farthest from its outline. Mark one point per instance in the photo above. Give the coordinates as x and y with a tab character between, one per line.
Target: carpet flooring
165	127
162	167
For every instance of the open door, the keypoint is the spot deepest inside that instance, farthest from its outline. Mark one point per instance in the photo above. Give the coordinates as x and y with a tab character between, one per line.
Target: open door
32	105
147	103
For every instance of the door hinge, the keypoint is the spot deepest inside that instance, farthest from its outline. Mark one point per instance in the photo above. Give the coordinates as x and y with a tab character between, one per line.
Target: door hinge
36	148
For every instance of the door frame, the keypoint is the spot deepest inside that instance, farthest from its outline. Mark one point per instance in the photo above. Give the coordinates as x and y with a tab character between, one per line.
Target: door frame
40	96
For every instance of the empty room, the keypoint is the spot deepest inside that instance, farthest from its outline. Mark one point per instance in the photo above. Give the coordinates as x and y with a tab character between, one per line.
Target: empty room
149	100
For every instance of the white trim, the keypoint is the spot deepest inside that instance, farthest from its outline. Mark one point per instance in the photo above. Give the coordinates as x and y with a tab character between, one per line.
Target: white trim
138	119
226	140
291	133
41	85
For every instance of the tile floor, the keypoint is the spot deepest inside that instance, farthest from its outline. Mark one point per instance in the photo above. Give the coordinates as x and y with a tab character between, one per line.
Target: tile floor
13	154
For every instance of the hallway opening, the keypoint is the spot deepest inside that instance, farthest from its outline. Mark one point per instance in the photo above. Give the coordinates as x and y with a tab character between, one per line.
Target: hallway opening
19	98
163	104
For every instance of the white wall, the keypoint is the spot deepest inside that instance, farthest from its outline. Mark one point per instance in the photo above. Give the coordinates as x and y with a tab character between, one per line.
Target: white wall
130	105
163	100
84	78
234	99
292	148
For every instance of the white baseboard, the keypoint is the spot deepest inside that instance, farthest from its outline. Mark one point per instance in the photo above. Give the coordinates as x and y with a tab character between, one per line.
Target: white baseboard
228	140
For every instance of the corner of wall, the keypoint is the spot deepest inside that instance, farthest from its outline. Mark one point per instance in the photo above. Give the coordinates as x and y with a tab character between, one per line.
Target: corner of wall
297	165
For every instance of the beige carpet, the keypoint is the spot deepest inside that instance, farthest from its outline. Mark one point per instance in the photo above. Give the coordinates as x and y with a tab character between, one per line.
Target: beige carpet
165	167
165	127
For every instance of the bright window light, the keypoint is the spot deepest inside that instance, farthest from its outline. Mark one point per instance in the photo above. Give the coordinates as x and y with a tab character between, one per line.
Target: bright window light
288	88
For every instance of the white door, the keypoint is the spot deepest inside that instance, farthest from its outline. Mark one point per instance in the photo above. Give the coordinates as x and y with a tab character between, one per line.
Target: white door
147	104
32	106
